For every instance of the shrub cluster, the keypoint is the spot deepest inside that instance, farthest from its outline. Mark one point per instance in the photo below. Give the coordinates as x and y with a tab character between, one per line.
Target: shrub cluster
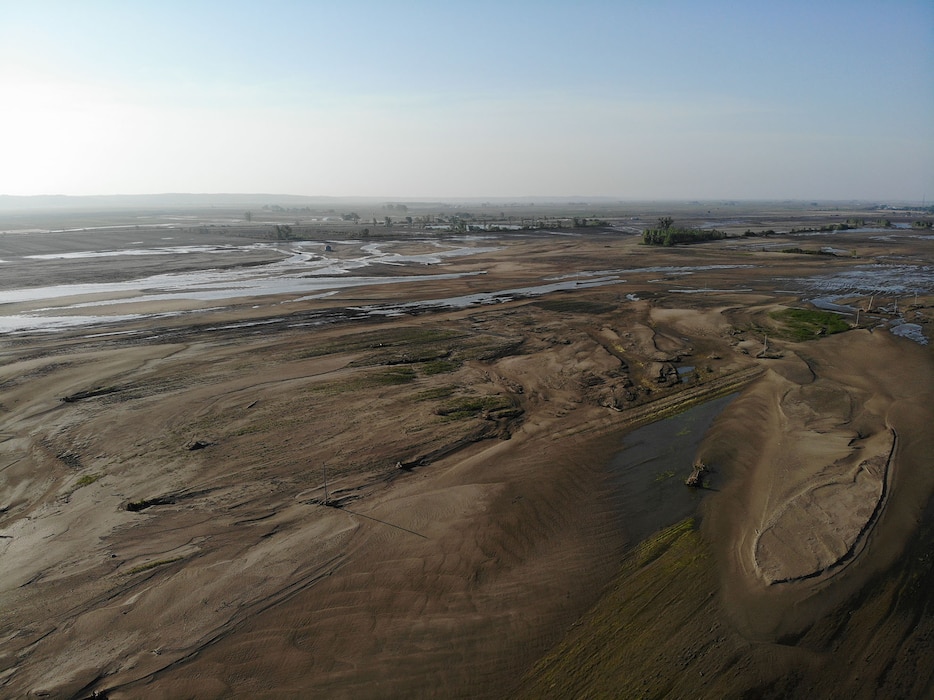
824	229
677	236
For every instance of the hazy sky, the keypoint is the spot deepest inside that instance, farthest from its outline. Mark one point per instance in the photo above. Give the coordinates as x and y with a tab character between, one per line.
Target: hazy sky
650	99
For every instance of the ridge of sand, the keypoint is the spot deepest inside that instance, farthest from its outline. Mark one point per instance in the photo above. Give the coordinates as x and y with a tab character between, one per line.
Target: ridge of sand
822	471
822	526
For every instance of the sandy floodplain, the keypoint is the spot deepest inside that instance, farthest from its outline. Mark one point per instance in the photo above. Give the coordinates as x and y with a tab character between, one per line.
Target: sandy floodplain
350	494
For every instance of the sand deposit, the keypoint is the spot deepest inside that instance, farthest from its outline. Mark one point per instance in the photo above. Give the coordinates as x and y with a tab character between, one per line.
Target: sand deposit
276	497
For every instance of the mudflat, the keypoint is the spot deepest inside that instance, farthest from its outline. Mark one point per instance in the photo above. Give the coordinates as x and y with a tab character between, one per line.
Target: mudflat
404	488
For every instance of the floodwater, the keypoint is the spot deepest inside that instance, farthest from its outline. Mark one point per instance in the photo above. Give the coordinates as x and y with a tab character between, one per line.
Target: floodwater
884	280
648	474
830	304
654	269
912	331
864	280
483	298
304	269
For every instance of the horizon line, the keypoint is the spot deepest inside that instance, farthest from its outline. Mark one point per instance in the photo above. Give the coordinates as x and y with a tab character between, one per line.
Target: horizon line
478	198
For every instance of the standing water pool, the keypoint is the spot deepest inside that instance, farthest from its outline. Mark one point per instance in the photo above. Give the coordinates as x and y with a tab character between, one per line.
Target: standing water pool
647	475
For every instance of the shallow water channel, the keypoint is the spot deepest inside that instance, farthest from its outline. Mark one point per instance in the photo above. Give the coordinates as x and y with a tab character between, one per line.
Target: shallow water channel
647	475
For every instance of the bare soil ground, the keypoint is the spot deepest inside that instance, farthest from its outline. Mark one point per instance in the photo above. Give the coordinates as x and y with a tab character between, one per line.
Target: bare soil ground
419	506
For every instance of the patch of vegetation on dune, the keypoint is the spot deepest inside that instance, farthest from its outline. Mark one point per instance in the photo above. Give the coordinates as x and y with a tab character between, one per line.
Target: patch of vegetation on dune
470	406
405	355
493	348
385	338
656	545
440	366
439	392
151	565
622	647
437	350
391	377
87	480
808	324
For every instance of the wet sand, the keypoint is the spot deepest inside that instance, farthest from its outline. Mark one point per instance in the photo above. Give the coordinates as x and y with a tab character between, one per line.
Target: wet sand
168	533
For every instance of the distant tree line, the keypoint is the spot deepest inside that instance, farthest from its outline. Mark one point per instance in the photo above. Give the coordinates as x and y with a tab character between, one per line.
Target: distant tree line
291	210
824	229
584	222
853	222
805	251
667	234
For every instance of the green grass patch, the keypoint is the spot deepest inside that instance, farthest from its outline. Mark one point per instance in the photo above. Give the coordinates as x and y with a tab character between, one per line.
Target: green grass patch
393	376
651	615
87	480
440	367
435	393
653	547
151	565
808	324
